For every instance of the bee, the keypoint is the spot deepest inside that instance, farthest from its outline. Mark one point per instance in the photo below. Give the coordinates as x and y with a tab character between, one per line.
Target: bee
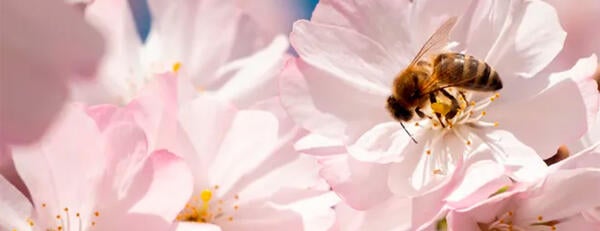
431	72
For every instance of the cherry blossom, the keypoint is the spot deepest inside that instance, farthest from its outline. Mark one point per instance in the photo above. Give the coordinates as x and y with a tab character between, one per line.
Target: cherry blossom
38	63
212	44
556	202
351	52
242	160
80	178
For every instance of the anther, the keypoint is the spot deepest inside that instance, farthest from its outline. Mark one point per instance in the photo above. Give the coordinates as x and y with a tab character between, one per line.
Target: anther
97	213
428	152
230	218
176	67
216	186
468	142
236	197
206	195
483	113
540	218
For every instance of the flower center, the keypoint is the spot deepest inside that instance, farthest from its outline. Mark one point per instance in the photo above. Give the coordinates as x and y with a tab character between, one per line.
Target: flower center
505	223
204	208
456	108
64	220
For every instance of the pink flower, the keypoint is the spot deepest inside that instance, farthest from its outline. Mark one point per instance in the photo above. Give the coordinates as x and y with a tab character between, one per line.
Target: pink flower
82	179
39	57
557	202
351	52
374	193
242	160
211	44
581	41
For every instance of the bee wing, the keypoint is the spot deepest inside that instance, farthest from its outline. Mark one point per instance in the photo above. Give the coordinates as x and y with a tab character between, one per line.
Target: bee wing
437	40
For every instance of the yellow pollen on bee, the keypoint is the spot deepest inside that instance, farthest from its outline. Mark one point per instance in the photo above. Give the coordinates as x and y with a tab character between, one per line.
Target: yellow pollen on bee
176	67
441	108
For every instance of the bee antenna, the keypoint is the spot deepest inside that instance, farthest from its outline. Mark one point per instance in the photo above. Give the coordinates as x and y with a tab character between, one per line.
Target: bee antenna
413	138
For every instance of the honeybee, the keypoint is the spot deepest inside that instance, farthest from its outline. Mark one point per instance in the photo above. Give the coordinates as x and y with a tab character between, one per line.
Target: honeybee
431	72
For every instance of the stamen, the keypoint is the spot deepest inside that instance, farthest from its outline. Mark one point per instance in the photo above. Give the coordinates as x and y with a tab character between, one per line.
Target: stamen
176	67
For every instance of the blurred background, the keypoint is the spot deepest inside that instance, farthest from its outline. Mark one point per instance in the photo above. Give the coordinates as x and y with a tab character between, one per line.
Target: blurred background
294	10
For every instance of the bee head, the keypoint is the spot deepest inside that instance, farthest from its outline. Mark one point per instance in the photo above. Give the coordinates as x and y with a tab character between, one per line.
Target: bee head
398	111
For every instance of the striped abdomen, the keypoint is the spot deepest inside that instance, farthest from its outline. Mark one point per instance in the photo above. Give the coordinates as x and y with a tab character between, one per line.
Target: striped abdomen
466	72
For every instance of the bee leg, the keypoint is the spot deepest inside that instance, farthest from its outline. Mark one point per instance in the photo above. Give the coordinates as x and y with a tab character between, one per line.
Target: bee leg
433	100
455	106
420	113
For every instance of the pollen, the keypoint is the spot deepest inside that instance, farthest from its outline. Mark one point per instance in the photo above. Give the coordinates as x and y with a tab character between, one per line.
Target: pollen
496	124
468	142
206	195
428	152
483	113
97	213
441	108
417	124
176	67
540	218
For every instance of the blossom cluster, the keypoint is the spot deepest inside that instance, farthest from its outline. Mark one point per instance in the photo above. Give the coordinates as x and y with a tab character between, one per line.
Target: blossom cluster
217	120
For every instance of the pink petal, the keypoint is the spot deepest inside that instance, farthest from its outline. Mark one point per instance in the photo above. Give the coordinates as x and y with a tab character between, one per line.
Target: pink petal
15	209
199	35
391	215
170	188
206	134
327	105
348	55
74	169
555	199
578	223
250	140
371	19
195	226
387	142
566	127
538	37
30	68
120	65
360	184
264	217
256	80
